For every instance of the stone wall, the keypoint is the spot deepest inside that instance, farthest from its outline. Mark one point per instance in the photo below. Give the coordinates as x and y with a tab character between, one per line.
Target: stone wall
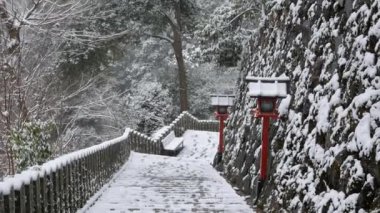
326	146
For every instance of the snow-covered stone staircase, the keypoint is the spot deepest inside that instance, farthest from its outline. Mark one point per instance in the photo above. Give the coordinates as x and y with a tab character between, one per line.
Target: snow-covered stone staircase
187	183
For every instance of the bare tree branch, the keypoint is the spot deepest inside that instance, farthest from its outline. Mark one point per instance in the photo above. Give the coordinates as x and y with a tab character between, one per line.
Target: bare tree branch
241	14
170	21
160	37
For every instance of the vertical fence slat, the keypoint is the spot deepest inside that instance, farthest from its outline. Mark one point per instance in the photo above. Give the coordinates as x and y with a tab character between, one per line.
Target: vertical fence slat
58	191
109	166
82	177
88	177
139	141
9	201
100	168
70	193
37	194
65	188
2	207
142	144
50	193
21	199
77	187
29	197
134	140
44	191
93	174
151	147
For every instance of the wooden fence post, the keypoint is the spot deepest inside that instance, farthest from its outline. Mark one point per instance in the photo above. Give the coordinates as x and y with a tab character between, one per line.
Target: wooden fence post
186	124
139	141
76	186
9	201
82	185
50	194
20	199
132	141
97	170
135	144
151	146
126	147
102	168
29	197
2	207
92	173
73	186
37	194
44	185
89	176
145	144
65	188
142	141
108	166
57	189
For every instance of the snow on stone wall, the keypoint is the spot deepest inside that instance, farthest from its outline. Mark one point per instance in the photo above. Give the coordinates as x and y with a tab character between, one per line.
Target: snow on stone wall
326	147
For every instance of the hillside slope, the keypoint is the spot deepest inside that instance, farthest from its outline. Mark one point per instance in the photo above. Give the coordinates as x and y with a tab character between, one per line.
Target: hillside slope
326	147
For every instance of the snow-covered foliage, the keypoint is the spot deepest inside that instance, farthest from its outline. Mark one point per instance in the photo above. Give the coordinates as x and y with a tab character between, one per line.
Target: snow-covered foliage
38	39
151	105
325	147
94	67
31	144
225	31
205	80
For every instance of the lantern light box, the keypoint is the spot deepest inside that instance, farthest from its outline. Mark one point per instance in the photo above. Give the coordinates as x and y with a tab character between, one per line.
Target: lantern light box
267	91
222	102
268	87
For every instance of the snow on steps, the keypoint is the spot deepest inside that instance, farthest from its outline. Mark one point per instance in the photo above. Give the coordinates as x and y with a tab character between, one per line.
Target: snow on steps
172	144
152	183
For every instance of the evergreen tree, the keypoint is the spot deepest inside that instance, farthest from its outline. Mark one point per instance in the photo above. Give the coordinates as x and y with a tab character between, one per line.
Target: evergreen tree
168	20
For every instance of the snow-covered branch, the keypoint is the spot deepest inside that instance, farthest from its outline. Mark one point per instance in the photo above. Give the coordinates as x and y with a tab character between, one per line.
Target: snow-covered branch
160	37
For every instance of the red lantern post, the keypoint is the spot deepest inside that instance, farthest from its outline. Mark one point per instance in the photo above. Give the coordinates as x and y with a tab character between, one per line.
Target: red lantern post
221	104
266	109
222	117
267	91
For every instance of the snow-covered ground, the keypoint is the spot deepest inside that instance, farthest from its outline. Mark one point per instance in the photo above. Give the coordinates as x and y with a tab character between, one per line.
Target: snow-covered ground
199	145
186	183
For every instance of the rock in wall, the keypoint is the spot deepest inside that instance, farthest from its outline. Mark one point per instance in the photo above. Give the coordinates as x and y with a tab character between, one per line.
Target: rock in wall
326	147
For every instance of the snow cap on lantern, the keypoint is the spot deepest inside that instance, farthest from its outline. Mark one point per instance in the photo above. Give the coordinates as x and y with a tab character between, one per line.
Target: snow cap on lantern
267	90
222	102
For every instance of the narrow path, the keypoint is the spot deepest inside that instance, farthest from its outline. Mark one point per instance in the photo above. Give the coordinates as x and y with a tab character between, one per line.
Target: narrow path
187	183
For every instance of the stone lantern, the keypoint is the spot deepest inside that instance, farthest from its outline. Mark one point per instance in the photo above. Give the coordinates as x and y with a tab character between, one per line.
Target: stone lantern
267	91
221	104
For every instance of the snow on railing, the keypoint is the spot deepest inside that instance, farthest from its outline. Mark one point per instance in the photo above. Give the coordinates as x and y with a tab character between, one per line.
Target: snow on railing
67	182
187	121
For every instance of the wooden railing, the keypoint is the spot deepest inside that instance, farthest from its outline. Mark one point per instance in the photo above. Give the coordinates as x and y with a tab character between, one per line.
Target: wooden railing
186	121
66	183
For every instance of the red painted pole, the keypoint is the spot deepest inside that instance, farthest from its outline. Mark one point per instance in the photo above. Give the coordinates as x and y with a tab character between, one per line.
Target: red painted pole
264	147
221	137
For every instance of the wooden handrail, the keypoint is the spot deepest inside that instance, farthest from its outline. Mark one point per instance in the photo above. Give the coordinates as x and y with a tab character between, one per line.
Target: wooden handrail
67	182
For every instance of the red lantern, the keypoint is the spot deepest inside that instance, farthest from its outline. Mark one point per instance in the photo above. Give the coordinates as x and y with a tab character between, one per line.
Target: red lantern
221	104
267	91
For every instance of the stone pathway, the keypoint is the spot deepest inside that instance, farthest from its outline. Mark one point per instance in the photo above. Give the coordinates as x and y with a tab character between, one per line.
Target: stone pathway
152	183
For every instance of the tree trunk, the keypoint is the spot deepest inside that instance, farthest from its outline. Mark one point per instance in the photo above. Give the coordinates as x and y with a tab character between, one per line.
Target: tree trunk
177	46
12	92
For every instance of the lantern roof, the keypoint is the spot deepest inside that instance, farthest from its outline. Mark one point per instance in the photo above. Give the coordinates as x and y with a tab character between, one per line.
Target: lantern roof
222	100
268	86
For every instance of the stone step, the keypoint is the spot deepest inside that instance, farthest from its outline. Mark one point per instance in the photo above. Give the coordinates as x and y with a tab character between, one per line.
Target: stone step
150	183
